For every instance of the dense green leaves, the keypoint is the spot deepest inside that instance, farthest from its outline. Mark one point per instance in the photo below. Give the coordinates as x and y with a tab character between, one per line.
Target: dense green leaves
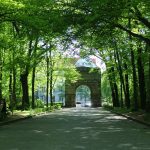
113	31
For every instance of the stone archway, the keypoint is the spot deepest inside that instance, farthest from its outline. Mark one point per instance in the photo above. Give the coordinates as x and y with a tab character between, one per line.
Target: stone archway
83	96
92	79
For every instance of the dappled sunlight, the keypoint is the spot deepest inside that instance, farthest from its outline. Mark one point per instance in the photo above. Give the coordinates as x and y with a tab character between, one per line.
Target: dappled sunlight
116	117
80	147
82	128
37	131
77	129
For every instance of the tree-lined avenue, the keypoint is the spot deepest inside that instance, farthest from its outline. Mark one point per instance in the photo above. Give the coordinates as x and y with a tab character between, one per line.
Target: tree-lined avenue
76	129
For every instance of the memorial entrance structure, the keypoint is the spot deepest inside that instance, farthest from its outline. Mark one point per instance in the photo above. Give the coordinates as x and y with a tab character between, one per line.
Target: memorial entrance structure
90	77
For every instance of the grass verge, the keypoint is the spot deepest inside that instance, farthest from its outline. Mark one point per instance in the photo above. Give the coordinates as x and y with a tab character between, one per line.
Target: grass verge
140	115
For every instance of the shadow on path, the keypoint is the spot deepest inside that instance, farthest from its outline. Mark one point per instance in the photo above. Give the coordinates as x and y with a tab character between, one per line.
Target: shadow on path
76	129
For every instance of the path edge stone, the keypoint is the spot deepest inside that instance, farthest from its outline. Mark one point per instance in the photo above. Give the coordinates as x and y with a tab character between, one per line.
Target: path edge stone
131	118
15	120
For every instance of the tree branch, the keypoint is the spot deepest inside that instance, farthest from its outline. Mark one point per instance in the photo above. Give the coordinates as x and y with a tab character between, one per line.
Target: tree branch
141	18
145	39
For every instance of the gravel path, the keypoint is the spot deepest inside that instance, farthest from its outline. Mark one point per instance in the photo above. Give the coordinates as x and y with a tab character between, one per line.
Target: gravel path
75	129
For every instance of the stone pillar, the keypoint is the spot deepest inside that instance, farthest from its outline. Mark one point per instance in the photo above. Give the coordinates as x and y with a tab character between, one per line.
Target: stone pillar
69	95
96	94
70	100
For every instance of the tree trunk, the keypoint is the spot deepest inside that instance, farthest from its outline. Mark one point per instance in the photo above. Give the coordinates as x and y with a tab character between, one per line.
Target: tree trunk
135	84
51	87
24	79
128	103
116	95
51	78
122	80
33	87
148	81
25	96
14	87
47	82
121	96
10	92
114	88
112	93
127	99
1	69
33	74
141	77
1	97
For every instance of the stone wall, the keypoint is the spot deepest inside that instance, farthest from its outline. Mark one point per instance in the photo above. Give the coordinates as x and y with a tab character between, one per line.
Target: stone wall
90	77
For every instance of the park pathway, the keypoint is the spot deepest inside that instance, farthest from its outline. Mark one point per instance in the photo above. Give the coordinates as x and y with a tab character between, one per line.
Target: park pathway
75	129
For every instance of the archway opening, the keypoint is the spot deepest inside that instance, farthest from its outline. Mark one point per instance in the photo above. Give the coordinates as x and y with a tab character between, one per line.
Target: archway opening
83	96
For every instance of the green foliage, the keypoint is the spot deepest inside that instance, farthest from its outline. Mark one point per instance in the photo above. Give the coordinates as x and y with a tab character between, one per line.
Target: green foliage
105	87
98	27
70	72
37	111
57	105
107	102
39	103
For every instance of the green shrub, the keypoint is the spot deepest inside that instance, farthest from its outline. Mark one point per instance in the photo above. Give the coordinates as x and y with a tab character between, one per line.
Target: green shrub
57	105
39	103
38	110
